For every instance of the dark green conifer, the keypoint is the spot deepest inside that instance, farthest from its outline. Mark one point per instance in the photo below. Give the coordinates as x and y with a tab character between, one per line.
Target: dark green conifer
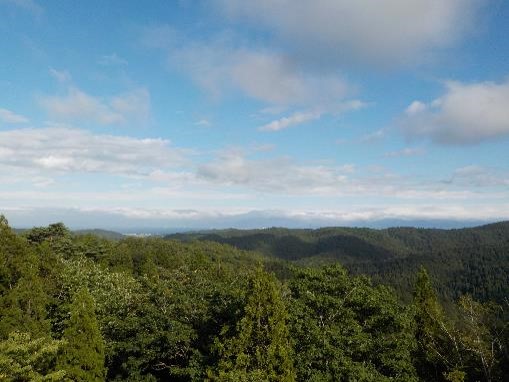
260	350
23	299
83	356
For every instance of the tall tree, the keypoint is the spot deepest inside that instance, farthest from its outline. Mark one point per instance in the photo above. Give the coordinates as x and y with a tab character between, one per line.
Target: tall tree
23	299
482	334
439	353
82	357
260	350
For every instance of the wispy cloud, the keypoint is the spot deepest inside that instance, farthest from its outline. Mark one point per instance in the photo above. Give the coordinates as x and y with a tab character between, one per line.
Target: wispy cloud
374	136
292	120
203	122
479	177
79	106
132	217
28	5
62	76
406	152
112	59
300	117
10	117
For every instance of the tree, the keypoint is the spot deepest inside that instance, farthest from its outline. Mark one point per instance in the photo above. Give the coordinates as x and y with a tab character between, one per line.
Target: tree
439	353
260	350
82	357
23	298
346	330
482	337
26	359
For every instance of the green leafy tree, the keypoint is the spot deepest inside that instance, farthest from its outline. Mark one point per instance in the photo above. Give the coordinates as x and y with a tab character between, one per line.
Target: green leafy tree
439	354
346	330
481	334
24	307
82	357
57	236
23	298
26	359
260	350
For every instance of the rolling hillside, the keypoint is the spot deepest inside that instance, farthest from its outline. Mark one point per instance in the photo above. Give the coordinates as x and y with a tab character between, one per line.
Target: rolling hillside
469	260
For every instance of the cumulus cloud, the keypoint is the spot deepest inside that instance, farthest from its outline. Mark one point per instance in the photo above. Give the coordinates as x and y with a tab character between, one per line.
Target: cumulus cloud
63	149
233	183
77	105
369	31
10	117
267	76
467	113
222	65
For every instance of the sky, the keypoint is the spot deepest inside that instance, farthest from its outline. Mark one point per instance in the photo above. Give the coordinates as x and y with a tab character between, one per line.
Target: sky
218	113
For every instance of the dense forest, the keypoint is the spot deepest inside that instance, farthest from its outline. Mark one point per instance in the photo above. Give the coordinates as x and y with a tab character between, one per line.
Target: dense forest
471	261
270	305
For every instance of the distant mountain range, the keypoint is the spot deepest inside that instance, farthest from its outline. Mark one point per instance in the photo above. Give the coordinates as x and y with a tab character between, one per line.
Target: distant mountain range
469	260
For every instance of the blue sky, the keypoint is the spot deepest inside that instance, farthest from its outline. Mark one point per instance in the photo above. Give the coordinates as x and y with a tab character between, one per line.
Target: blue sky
253	113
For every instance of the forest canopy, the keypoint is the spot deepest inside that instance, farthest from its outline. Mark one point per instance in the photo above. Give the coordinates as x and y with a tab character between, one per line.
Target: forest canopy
86	308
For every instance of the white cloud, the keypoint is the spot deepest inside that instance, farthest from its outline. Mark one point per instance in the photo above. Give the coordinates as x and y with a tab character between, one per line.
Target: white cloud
406	152
62	149
465	114
292	120
130	218
300	117
219	67
415	107
62	76
230	185
203	122
10	117
42	156
273	175
28	5
283	176
374	136
479	176
133	104
77	105
42	182
373	32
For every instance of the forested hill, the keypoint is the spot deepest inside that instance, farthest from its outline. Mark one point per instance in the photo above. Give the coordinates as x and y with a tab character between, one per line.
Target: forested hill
79	307
469	260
